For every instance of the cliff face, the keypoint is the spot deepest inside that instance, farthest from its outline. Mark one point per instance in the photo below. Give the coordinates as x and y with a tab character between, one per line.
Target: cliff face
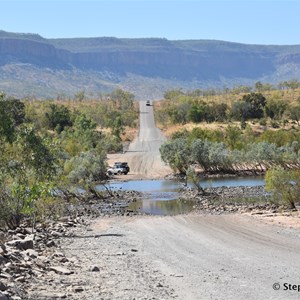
178	64
121	61
31	52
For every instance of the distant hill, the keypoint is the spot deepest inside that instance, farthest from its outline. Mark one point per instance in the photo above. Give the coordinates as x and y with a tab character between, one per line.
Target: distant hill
33	65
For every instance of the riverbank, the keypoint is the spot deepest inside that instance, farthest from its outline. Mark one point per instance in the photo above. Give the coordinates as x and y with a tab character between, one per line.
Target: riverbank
91	252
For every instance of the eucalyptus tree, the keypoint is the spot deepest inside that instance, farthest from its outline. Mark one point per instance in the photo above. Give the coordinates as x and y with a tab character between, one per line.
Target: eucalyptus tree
200	153
275	108
212	156
58	117
30	166
284	185
177	154
257	103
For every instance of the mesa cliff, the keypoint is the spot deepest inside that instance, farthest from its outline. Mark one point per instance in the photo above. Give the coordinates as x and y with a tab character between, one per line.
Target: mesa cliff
33	65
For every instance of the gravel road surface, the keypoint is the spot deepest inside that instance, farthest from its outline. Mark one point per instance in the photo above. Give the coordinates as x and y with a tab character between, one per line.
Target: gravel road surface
186	257
194	256
143	154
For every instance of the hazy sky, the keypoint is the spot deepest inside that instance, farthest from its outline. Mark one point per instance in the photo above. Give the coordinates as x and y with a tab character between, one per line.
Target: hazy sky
254	22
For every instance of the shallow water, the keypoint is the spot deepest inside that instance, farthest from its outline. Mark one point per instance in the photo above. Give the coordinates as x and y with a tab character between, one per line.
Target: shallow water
163	185
161	196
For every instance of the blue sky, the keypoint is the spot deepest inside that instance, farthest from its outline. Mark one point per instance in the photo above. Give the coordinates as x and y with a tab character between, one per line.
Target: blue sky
253	22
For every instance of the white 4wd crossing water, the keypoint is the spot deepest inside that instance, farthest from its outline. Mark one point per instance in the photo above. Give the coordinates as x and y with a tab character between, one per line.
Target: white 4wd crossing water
118	169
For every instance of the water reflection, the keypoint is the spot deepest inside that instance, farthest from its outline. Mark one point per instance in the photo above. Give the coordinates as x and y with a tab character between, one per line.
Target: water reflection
172	185
146	185
161	196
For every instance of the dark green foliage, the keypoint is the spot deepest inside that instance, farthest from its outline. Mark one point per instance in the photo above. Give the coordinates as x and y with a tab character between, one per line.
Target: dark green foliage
16	109
275	109
36	153
205	134
219	111
21	201
241	110
35	161
294	113
12	114
196	113
250	107
233	136
7	128
58	117
257	103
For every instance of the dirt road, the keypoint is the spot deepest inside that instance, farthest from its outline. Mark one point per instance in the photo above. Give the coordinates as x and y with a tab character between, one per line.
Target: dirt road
143	154
185	257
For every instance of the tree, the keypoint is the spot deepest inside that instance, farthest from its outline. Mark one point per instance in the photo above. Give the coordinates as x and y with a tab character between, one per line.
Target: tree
58	117
219	111
16	109
241	89
241	111
87	168
233	136
284	184
196	113
176	153
275	109
200	153
257	103
36	154
124	100
211	156
7	128
79	96
83	123
293	84
173	94
192	176
259	86
294	113
29	167
12	114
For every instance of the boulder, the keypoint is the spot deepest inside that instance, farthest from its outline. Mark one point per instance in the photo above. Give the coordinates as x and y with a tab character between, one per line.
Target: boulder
21	244
61	270
3	297
3	287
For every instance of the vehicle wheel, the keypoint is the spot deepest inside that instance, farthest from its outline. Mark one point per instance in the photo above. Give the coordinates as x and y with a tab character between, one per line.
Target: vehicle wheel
109	173
119	172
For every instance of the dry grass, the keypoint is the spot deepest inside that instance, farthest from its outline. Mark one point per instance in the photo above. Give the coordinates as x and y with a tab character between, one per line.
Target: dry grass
289	96
169	129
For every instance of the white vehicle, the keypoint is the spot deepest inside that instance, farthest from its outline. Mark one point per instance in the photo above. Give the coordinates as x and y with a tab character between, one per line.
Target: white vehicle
118	169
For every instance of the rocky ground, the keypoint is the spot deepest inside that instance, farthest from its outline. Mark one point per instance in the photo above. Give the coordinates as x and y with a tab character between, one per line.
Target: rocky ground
78	258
